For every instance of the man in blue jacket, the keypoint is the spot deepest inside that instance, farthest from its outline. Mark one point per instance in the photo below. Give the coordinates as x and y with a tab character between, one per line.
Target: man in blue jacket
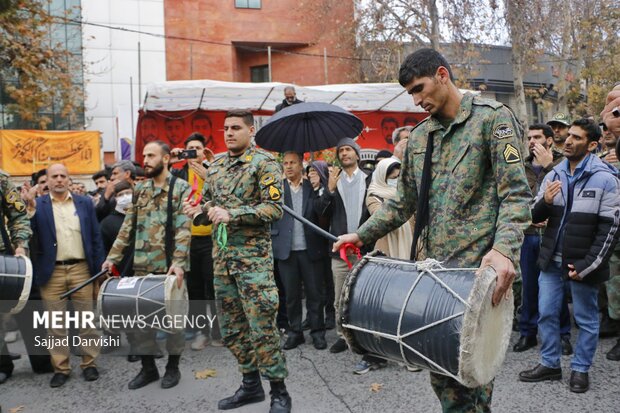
580	198
67	250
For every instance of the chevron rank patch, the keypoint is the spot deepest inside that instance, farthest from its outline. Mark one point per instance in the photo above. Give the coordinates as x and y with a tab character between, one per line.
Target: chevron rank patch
511	154
274	193
503	131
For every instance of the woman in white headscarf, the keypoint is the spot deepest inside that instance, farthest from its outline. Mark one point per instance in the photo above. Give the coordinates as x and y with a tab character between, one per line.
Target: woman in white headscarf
396	244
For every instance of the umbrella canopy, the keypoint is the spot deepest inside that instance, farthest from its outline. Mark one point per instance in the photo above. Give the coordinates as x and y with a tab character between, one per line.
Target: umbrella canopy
308	127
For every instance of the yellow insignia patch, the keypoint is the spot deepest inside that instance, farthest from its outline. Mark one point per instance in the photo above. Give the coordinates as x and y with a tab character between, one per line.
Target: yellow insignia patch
267	179
19	206
511	154
274	193
12	196
248	158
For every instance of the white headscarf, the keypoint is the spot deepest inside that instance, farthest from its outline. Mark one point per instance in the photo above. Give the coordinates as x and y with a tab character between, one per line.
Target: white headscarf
378	186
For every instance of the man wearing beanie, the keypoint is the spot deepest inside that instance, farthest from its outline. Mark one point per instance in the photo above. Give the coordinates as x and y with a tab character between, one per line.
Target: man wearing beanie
343	204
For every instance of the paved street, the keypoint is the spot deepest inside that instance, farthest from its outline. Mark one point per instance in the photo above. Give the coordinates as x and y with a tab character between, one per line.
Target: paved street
319	382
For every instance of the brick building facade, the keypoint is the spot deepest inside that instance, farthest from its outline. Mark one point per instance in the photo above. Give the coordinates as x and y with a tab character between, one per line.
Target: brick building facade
230	38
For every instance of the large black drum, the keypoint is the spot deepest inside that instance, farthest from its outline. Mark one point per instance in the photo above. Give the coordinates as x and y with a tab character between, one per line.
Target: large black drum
155	299
419	313
15	283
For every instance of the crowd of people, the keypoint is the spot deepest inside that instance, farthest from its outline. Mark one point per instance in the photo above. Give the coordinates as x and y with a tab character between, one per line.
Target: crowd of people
547	214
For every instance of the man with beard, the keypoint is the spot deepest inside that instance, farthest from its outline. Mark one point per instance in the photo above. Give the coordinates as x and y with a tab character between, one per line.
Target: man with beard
559	123
244	194
541	161
290	98
145	227
462	169
344	204
580	199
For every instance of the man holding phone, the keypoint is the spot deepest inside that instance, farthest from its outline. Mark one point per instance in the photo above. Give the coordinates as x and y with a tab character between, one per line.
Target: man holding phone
200	277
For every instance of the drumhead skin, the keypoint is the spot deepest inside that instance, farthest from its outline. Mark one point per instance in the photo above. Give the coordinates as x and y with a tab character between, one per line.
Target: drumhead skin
486	332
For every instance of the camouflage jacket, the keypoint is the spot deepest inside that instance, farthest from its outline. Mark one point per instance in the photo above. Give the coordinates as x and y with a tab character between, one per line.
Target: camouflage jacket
479	197
249	187
151	209
14	212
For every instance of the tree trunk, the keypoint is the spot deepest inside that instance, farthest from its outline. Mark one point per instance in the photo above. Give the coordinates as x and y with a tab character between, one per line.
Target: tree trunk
562	85
517	58
434	14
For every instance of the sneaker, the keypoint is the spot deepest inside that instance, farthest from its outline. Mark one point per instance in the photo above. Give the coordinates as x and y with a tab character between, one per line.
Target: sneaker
364	367
217	342
200	342
11	336
413	369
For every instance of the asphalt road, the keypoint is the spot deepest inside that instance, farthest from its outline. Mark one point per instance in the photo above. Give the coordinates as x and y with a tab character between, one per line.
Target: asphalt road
319	382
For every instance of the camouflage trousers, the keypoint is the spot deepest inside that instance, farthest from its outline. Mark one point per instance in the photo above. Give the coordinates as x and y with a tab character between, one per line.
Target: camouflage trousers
613	287
146	345
248	319
456	398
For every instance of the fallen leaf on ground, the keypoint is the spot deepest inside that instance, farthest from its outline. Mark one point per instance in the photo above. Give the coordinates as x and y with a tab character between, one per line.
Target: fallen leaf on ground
375	387
205	374
16	409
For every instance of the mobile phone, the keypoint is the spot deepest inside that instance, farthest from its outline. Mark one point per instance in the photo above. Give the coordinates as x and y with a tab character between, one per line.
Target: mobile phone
188	154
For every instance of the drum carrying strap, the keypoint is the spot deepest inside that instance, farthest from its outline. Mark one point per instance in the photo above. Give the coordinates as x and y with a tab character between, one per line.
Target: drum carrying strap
169	234
422	213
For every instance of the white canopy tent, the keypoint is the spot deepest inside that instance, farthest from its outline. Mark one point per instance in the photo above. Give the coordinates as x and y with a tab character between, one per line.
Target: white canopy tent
218	95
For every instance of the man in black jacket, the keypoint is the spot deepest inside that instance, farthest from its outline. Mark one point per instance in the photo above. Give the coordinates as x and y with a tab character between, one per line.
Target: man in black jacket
344	204
290	98
298	252
580	198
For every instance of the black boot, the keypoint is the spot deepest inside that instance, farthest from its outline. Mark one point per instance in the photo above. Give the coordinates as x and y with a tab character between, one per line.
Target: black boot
173	374
280	399
147	375
251	391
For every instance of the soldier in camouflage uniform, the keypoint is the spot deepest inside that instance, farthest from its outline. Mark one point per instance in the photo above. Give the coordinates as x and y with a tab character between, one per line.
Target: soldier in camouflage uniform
478	198
610	298
144	226
243	190
19	232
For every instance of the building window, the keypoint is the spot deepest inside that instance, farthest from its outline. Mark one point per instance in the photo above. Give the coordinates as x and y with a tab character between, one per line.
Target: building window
247	4
259	74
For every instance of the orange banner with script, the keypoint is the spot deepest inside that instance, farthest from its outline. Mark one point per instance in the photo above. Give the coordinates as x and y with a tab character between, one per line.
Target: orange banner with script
27	151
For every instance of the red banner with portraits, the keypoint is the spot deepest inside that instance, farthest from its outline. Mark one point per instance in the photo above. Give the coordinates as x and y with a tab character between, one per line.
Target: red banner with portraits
174	127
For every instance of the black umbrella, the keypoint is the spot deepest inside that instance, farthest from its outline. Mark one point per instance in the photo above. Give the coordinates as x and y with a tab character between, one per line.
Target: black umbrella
308	127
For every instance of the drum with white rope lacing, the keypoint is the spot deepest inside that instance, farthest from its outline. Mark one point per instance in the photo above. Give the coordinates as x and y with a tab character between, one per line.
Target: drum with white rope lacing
15	283
153	299
422	314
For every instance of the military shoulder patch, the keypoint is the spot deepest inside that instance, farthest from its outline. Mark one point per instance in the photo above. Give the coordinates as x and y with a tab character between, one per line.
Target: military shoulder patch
503	131
267	179
12	196
20	206
511	154
274	193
